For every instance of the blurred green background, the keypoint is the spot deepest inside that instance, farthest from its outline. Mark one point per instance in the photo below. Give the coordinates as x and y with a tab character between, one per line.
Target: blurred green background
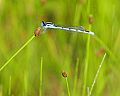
59	49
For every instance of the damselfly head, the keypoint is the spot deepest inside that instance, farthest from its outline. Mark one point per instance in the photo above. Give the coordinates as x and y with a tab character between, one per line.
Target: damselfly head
43	24
48	25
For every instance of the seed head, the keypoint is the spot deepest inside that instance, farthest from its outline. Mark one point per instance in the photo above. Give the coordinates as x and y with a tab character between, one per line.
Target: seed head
37	31
43	2
64	74
91	19
100	52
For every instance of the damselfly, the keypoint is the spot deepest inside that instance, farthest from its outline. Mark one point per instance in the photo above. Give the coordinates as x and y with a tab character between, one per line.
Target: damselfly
50	25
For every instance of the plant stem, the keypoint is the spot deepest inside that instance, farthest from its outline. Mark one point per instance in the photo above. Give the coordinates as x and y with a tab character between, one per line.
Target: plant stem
86	63
41	76
8	61
25	83
87	53
94	81
75	78
107	49
9	92
68	89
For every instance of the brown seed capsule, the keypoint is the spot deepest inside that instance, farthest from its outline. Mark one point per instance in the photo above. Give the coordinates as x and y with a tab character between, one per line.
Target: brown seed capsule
100	52
37	31
43	2
64	74
90	19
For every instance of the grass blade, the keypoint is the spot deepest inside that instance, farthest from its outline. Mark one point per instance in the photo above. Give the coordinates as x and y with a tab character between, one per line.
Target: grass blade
75	78
68	89
41	65
9	91
96	76
8	61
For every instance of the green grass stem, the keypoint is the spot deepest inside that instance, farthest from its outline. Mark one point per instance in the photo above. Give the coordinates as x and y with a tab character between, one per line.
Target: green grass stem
75	78
107	49
86	63
68	88
41	65
25	84
8	61
87	53
9	91
96	76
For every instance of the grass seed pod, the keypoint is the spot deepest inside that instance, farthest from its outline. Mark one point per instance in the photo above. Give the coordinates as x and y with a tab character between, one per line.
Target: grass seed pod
90	19
64	74
37	31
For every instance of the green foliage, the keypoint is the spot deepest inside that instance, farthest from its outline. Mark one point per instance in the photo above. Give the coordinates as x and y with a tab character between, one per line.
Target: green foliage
59	49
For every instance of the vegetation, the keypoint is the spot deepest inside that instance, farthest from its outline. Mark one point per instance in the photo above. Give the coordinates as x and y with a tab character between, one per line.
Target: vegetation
32	65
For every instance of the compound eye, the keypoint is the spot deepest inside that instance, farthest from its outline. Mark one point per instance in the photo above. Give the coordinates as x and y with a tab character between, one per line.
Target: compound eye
43	24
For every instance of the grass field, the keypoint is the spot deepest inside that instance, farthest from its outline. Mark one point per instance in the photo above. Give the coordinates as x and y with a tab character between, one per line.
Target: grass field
37	69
